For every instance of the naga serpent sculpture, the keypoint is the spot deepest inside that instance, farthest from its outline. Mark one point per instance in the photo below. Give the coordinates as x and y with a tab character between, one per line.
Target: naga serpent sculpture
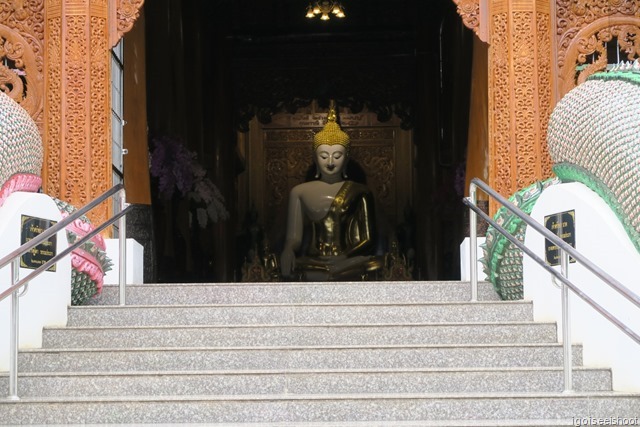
594	139
21	157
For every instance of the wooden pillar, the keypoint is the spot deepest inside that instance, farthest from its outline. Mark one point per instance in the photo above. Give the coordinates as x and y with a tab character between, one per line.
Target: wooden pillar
519	33
136	162
519	93
77	106
477	141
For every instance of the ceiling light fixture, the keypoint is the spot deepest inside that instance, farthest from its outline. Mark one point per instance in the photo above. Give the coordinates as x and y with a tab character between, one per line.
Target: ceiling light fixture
325	8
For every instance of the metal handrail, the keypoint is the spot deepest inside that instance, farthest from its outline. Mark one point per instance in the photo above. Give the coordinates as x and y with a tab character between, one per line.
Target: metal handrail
566	250
16	284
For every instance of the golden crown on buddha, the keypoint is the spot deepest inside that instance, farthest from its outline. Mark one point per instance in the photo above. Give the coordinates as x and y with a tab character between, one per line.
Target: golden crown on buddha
331	134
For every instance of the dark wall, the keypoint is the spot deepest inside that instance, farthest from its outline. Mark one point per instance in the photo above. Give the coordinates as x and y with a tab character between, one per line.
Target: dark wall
444	64
190	102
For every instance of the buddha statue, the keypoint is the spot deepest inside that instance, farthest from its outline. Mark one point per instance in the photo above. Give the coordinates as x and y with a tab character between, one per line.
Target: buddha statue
339	214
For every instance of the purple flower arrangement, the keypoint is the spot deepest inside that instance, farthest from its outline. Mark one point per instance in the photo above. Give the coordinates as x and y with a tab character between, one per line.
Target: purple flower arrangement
178	172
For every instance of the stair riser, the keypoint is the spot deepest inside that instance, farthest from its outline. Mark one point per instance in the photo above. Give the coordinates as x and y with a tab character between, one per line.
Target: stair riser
316	410
293	358
309	383
216	315
299	336
289	293
230	366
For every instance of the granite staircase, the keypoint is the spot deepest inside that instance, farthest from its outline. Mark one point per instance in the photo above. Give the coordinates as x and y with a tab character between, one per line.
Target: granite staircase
303	354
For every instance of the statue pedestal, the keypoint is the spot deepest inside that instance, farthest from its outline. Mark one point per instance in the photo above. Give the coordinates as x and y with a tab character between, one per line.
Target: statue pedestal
600	236
465	262
134	260
22	217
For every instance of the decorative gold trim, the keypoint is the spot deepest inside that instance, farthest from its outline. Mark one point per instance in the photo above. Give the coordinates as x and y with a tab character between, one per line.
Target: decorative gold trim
21	49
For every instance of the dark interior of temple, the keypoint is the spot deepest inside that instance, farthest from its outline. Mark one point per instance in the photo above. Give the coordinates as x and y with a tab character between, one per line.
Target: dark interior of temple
217	67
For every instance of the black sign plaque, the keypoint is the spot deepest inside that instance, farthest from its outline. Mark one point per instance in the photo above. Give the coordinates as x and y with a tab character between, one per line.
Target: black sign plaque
39	255
563	225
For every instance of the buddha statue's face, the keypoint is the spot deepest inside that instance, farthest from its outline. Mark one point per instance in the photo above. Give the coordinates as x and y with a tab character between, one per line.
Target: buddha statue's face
331	160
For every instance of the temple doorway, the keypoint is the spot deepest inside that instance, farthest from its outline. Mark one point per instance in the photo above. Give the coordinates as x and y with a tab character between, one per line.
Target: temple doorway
240	83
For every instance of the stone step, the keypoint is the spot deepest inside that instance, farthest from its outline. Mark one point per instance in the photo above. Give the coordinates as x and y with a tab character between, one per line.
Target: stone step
295	292
329	357
423	423
445	423
163	383
379	408
295	335
137	315
304	354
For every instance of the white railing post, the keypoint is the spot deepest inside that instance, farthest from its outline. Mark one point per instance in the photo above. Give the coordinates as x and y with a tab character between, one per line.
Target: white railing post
122	236
473	244
15	332
566	324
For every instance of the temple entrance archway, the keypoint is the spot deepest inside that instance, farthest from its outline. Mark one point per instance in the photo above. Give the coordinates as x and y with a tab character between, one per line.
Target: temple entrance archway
229	79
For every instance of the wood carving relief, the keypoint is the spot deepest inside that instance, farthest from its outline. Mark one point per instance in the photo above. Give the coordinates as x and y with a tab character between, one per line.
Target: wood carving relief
78	103
469	11
100	176
21	50
377	160
584	29
75	121
286	164
524	104
77	89
76	63
383	89
520	89
500	146
545	92
127	11
52	173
